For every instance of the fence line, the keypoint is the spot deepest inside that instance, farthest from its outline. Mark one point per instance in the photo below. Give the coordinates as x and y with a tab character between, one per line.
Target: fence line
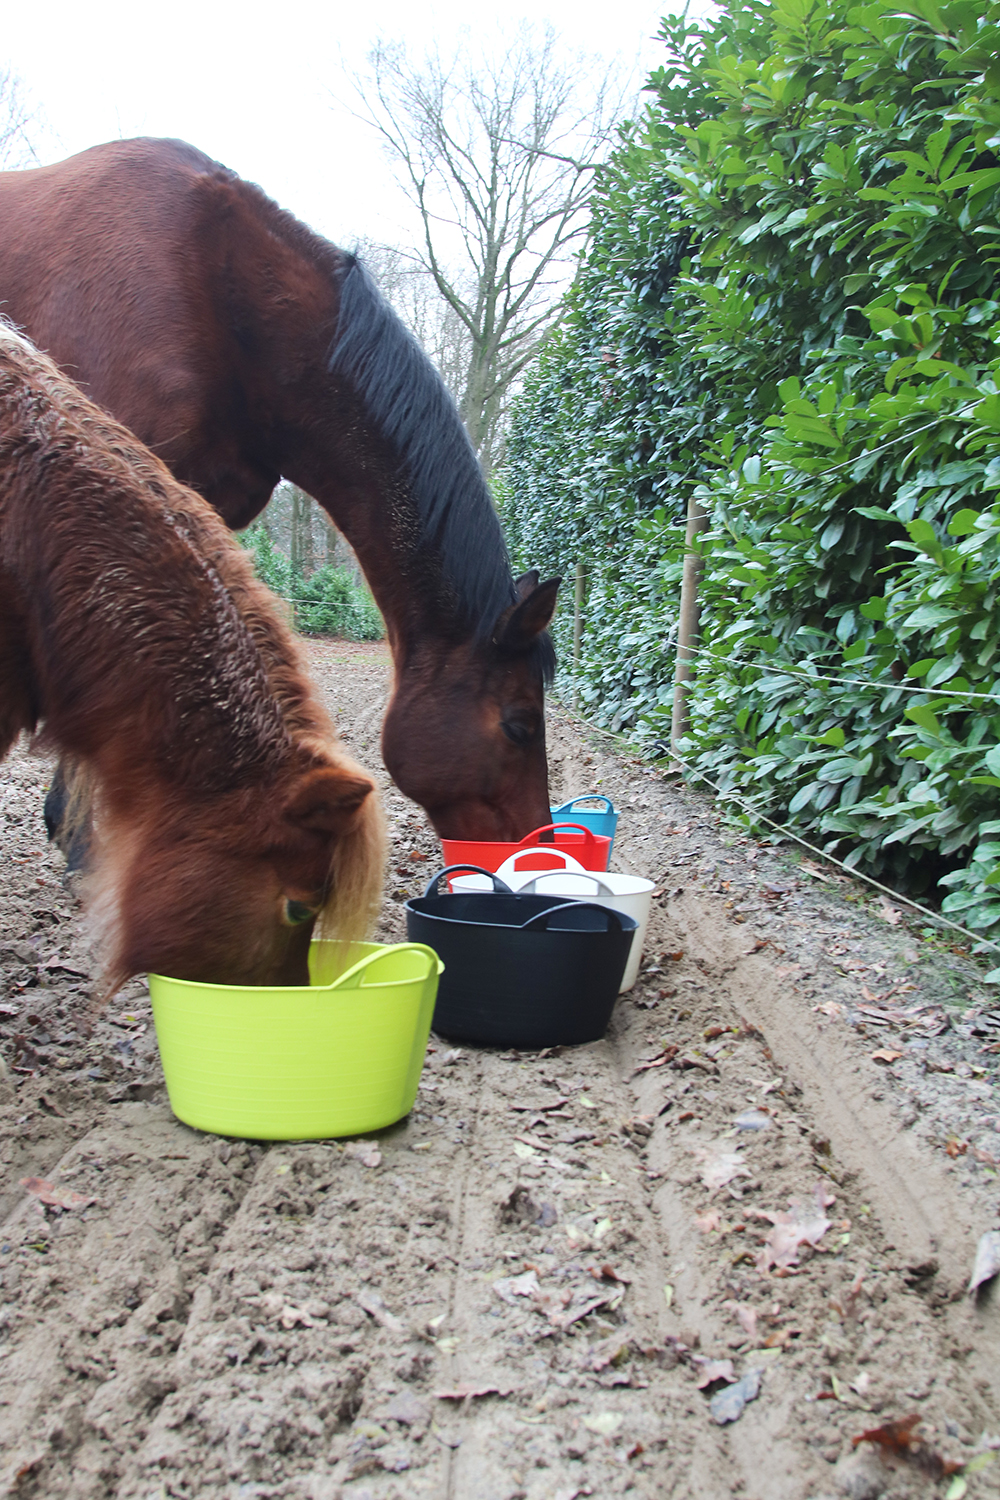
878	687
789	833
782	828
848	463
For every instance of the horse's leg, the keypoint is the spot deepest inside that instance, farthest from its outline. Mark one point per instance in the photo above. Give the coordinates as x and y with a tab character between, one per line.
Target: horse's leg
18	710
67	816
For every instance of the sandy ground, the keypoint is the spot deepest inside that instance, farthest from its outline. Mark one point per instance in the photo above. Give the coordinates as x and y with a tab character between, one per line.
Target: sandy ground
561	1273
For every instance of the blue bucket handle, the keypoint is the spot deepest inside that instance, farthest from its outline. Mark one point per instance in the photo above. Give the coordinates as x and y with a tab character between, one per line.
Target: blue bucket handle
499	887
587	797
539	921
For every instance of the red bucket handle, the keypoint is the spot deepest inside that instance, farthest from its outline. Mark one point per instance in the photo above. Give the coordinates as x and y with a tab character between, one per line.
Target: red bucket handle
589	839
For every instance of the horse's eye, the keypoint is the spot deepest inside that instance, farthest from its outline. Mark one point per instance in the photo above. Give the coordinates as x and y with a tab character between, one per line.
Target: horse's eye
297	912
518	734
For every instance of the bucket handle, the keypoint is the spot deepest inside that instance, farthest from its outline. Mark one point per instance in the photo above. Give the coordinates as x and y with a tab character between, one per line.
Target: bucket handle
354	978
530	888
539	922
551	851
589	838
498	885
587	797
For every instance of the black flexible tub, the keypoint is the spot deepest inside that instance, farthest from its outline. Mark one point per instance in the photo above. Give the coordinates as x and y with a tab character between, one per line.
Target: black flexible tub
521	971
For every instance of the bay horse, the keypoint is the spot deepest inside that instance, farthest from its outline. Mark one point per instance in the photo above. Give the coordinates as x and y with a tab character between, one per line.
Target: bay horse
242	347
132	630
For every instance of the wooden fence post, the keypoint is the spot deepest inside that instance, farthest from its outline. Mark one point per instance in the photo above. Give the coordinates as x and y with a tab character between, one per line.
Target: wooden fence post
578	597
687	622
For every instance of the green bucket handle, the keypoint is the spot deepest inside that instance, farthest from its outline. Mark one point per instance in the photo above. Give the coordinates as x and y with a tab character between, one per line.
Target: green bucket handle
356	977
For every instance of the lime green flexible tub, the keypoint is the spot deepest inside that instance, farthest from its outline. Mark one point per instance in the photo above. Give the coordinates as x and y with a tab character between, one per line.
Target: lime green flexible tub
339	1056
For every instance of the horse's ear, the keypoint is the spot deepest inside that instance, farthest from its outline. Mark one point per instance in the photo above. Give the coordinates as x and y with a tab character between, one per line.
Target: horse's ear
326	799
524	585
531	615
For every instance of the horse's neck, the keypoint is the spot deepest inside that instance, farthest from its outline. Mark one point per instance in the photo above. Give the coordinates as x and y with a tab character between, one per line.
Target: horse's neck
405	583
329	445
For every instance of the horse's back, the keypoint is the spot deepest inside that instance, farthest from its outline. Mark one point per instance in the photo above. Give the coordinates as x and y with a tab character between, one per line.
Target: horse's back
117	263
95	239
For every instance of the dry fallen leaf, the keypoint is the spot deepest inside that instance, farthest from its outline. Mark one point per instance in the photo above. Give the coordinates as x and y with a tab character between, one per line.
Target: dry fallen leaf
804	1224
568	1307
604	1423
747	1316
710	1371
613	1351
371	1303
659	1061
275	1306
509	1288
846	1304
608	1273
720	1167
885	1055
53	1196
710	1220
727	1405
898	1438
366	1152
987	1263
470	1392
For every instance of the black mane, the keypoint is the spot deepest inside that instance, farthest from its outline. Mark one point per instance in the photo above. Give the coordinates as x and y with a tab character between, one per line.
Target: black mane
409	402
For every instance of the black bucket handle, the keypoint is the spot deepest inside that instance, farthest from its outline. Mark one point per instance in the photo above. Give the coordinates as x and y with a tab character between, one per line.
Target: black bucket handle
530	887
540	920
499	887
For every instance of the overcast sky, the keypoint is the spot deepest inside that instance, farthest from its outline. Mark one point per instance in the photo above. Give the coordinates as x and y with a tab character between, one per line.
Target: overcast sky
257	86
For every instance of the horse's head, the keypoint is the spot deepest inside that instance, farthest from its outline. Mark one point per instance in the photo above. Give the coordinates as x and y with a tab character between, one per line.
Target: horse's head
465	732
232	895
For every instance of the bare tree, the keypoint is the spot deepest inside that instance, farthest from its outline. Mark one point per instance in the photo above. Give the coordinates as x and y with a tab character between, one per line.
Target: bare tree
17	122
298	527
497	154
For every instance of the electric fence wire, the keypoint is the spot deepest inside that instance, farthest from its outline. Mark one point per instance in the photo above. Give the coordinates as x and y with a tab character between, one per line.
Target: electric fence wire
878	687
755	812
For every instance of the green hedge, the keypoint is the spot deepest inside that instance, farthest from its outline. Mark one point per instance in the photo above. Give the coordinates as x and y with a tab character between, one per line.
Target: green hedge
328	602
789	308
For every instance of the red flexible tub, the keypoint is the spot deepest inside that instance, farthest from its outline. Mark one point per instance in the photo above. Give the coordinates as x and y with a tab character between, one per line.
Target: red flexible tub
591	849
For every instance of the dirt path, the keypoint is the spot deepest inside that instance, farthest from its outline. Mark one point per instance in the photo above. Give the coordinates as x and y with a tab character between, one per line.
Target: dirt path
569	1240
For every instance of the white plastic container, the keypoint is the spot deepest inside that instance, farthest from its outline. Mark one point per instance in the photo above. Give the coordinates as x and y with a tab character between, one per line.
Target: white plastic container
625	893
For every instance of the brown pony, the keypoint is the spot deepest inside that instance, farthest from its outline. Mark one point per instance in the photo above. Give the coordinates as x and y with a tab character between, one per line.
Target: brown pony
242	347
227	819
